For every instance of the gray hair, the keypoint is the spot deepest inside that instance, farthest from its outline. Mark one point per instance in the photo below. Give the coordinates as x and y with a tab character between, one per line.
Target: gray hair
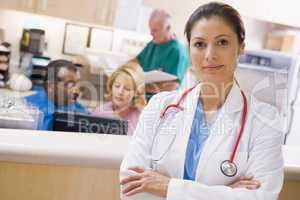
160	14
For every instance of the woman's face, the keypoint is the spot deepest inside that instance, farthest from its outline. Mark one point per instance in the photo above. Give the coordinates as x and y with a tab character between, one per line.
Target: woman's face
123	91
214	50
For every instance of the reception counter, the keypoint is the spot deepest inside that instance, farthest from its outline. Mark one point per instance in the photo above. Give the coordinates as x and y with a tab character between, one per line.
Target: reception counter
39	165
71	166
62	148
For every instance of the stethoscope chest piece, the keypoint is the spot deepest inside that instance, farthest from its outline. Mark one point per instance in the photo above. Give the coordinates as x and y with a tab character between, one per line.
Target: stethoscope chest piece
228	168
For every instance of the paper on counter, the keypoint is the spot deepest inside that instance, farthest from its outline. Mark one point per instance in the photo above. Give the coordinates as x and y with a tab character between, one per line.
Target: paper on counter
105	60
155	76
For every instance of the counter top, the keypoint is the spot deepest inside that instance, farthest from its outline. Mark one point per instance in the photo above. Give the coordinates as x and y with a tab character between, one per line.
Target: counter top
90	150
61	148
291	162
16	94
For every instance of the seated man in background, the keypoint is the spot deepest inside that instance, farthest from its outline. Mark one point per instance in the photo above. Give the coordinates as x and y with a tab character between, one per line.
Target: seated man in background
163	53
59	93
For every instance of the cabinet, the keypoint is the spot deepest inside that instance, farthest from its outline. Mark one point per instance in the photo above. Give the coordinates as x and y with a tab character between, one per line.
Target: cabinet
105	12
282	12
22	5
258	9
90	11
78	10
286	12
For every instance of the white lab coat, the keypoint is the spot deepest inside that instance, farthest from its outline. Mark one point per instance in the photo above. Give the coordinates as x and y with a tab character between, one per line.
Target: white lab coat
259	153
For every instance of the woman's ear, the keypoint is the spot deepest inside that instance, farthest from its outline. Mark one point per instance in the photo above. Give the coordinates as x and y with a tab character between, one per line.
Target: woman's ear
241	49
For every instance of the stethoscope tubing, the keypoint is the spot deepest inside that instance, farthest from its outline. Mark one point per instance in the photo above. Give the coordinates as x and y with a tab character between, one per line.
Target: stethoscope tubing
243	122
178	106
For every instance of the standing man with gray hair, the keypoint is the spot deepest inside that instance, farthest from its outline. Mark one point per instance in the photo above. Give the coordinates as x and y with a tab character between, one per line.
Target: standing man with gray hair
163	53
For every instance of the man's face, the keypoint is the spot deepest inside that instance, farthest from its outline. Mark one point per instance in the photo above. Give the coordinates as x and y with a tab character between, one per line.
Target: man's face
64	91
158	30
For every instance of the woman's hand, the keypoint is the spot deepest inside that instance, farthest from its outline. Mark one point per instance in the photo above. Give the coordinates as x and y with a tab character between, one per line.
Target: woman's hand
145	181
245	182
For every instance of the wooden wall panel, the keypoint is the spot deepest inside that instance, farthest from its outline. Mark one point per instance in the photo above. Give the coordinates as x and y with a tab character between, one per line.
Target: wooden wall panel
290	191
42	182
45	182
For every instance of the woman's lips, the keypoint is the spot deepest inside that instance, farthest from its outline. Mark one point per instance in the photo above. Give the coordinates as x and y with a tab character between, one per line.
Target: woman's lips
119	98
212	66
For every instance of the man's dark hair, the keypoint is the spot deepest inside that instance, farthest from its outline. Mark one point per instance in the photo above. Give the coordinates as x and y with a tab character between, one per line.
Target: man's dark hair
54	67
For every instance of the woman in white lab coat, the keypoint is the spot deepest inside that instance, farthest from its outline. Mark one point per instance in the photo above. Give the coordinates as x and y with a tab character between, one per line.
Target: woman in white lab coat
212	141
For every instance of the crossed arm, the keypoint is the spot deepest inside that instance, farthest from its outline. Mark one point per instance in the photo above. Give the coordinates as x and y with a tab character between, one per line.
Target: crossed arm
265	163
157	184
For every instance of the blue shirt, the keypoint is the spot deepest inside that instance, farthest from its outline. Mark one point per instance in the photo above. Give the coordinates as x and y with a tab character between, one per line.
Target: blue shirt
41	101
197	139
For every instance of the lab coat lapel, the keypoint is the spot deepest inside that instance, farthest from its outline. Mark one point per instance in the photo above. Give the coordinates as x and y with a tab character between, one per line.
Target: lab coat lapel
185	122
224	126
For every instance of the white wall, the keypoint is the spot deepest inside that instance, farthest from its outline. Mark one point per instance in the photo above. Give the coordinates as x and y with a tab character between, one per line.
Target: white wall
13	23
181	10
256	32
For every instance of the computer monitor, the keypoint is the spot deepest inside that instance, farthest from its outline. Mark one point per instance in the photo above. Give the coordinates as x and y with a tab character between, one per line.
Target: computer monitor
74	122
39	69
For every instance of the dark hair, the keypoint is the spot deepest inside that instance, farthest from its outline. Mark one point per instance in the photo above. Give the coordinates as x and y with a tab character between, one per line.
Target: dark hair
224	11
54	66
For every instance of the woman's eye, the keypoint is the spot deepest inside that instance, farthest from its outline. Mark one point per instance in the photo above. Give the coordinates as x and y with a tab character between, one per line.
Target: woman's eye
116	85
127	89
199	44
223	42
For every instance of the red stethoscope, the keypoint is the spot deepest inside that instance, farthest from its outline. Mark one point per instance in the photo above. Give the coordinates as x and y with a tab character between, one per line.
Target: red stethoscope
228	167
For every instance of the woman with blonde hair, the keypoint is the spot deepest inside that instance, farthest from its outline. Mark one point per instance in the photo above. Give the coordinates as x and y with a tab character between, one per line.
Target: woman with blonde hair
126	96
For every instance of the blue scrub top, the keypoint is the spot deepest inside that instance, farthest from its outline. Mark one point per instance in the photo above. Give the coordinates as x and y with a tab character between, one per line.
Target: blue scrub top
41	101
198	136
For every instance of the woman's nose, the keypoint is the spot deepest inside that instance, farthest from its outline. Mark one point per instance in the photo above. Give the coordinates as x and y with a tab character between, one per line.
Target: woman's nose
210	53
120	91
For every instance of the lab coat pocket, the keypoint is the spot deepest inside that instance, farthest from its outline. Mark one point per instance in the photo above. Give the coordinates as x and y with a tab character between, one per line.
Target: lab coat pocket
213	173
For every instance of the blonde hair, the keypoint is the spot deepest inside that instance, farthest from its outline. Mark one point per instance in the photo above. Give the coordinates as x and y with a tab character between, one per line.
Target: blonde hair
139	100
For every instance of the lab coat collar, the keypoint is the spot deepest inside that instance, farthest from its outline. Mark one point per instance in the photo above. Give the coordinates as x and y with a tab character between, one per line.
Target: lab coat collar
233	103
